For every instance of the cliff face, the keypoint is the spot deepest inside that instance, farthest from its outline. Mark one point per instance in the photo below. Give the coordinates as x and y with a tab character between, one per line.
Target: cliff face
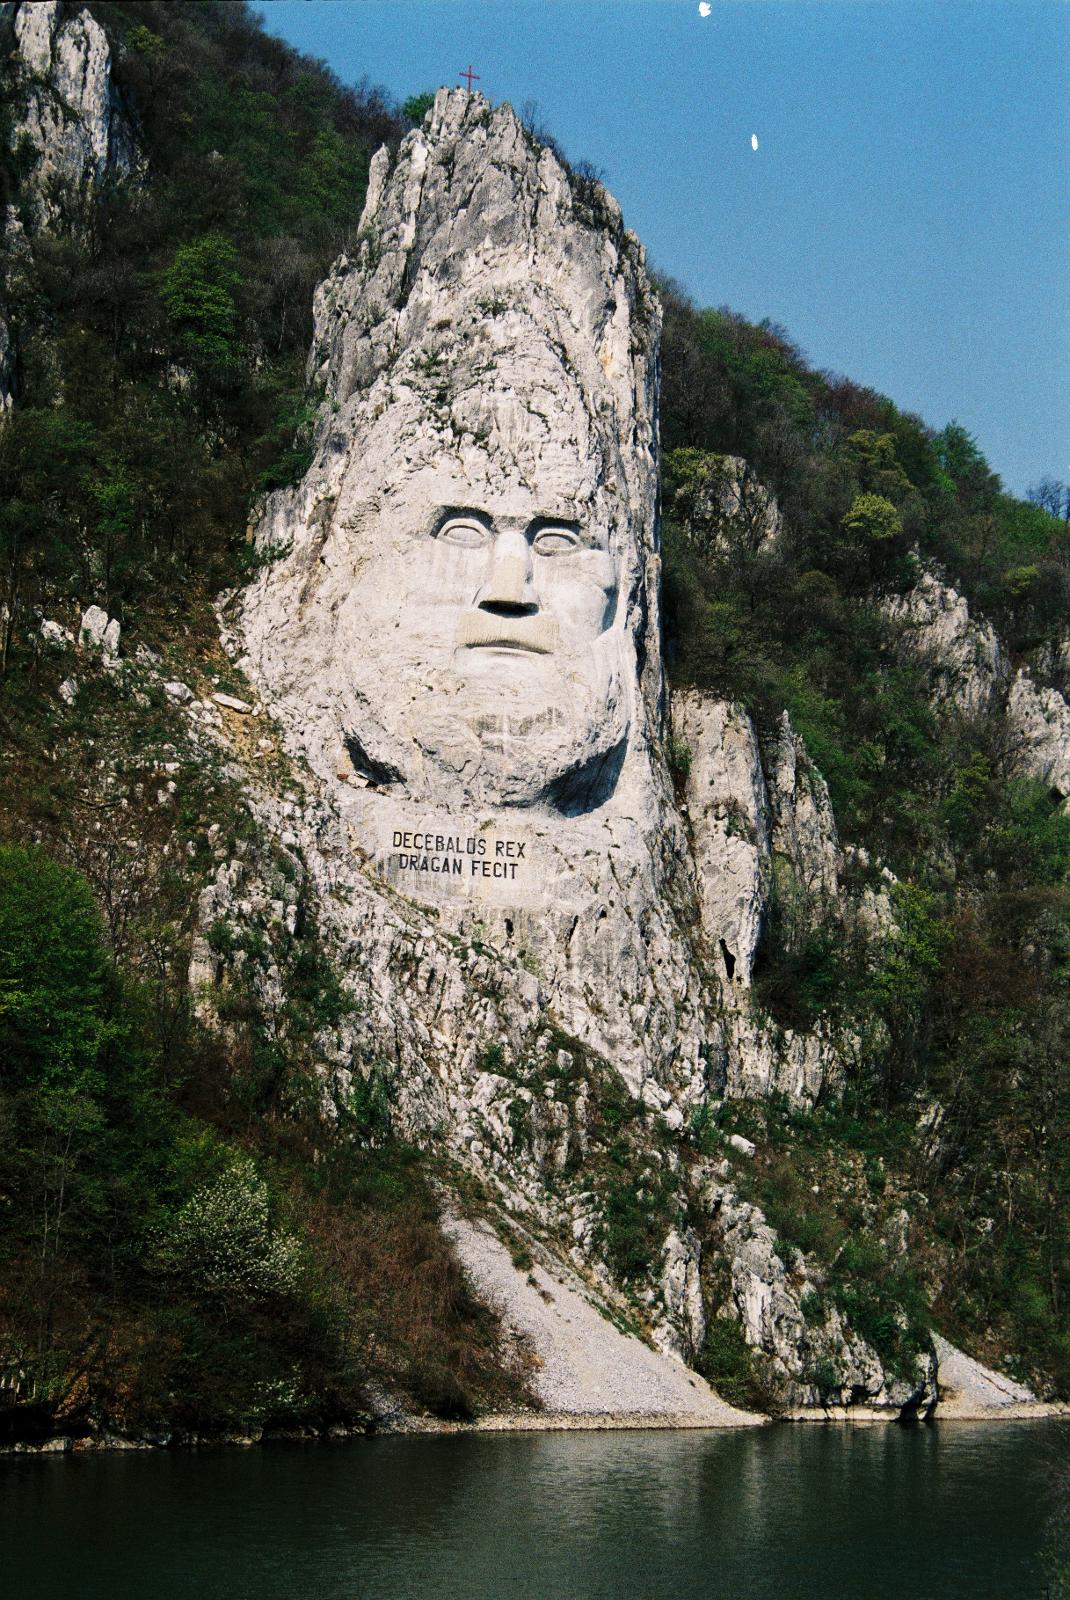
67	129
67	113
456	627
462	632
971	670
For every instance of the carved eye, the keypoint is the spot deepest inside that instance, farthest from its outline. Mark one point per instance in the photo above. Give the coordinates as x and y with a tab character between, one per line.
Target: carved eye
469	535
555	542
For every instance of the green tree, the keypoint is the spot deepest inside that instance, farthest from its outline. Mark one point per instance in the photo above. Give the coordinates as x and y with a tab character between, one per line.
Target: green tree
872	521
46	456
967	799
335	176
54	980
199	291
873	460
416	107
960	456
1028	839
223	1242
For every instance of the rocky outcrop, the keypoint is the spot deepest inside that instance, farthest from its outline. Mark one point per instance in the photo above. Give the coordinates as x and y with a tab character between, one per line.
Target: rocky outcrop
722	504
815	1356
760	821
66	109
968	664
69	134
97	631
971	673
730	816
1039	720
804	834
743	822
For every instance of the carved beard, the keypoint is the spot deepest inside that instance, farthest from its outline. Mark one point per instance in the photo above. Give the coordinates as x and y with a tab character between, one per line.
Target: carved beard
537	733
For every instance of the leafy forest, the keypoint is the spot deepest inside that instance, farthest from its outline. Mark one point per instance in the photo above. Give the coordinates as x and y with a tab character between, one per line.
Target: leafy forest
186	1249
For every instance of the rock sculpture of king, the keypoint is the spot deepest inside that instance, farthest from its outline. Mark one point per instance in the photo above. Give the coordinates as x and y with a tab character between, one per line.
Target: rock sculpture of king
457	619
463	601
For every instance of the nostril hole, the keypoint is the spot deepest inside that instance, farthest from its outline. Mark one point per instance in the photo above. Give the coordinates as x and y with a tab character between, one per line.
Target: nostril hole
508	608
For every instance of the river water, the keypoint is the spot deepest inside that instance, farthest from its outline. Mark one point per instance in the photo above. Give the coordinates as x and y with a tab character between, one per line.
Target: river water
784	1513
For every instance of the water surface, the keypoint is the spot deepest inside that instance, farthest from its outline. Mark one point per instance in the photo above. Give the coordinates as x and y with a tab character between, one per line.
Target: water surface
787	1513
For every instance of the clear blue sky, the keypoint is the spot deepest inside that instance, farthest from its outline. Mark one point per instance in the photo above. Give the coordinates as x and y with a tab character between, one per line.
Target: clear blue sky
906	216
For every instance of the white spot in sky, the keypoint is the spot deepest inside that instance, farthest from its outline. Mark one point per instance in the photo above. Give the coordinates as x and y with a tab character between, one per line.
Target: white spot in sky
704	8
754	141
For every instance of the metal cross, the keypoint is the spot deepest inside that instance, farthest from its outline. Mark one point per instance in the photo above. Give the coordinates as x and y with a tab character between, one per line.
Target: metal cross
469	75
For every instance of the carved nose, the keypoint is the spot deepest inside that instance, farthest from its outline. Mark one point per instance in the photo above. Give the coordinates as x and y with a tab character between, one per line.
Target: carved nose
508	590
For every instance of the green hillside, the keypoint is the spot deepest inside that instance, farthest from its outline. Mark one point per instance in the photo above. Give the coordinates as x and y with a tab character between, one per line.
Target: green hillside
186	1247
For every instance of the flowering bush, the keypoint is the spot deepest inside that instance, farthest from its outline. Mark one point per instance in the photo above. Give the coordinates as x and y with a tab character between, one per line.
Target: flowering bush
223	1241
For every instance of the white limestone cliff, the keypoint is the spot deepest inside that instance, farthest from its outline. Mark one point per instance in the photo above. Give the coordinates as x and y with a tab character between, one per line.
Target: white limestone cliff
756	821
69	131
968	663
1040	721
817	1358
461	632
66	107
456	632
971	672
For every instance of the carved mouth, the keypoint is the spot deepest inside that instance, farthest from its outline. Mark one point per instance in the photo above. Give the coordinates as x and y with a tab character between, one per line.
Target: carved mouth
483	630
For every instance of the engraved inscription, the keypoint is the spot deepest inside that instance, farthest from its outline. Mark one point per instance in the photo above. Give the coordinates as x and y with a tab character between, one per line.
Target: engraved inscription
438	860
457	853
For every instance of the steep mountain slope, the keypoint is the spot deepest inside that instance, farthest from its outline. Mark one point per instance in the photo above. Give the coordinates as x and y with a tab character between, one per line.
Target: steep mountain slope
784	1100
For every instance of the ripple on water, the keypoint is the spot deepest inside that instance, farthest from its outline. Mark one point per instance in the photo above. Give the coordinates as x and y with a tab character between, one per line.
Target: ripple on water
833	1513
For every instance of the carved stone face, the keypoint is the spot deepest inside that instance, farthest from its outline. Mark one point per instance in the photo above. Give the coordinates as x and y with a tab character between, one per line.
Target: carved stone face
474	603
461	601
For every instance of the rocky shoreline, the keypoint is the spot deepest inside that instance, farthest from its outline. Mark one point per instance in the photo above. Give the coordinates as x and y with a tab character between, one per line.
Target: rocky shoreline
543	1422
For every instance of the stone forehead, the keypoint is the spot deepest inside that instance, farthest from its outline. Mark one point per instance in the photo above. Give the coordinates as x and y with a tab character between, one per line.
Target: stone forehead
514	367
404	495
522	420
496	321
